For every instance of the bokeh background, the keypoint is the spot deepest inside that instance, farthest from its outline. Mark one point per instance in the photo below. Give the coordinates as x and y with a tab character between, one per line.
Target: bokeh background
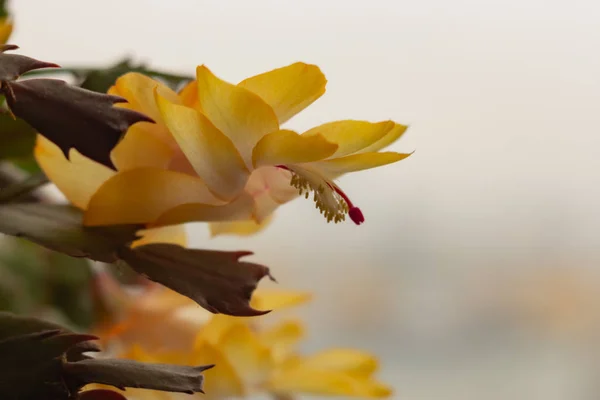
476	274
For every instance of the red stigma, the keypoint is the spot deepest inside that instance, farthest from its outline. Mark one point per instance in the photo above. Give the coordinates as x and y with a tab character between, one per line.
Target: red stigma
356	215
354	212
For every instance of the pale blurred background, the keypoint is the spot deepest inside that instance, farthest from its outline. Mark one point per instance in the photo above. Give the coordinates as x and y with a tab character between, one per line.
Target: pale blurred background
477	272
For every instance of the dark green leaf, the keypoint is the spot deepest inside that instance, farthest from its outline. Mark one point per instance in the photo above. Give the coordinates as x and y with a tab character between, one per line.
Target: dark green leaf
101	79
27	164
216	280
16	136
11	180
60	228
3	9
22	189
72	117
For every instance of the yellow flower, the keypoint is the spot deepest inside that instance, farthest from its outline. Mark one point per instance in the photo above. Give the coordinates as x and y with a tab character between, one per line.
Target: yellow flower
135	318
252	357
217	154
256	156
6	28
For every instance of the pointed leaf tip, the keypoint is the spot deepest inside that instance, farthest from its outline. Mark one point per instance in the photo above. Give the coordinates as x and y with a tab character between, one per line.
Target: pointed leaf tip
7	47
13	66
216	280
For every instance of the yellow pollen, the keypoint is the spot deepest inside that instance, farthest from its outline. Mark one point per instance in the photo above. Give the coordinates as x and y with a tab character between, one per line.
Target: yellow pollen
328	202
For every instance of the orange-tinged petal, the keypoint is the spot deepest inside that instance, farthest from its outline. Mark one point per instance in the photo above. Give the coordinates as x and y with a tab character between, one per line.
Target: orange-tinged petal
138	90
78	179
288	90
215	328
238	209
355	362
211	153
189	95
351	136
270	187
239	228
144	194
287	147
270	299
138	353
394	134
139	148
222	381
301	379
264	206
357	162
174	234
249	357
275	181
283	339
237	112
5	30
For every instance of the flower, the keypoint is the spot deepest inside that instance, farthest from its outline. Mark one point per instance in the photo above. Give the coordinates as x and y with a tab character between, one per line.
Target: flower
6	28
217	153
246	119
251	357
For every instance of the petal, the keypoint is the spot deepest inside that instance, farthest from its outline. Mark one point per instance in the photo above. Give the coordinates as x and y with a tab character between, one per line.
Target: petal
248	356
319	382
211	153
352	136
221	381
189	95
270	187
283	338
138	353
138	90
215	328
5	30
357	162
239	228
239	209
142	195
275	299
275	181
390	137
352	361
288	90
139	148
78	179
237	112
175	234
287	147
264	206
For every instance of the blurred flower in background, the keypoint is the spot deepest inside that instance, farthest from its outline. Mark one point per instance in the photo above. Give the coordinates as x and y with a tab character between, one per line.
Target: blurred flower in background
5	28
252	355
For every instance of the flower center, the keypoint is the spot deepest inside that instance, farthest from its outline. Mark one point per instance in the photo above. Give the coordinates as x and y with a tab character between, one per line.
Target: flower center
329	198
